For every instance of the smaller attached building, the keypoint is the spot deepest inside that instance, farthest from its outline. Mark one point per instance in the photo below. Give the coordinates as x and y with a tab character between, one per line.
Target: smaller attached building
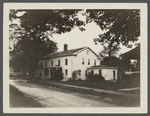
109	73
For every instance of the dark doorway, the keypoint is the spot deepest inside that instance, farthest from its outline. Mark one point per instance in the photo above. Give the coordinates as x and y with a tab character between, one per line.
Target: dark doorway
100	72
92	72
114	74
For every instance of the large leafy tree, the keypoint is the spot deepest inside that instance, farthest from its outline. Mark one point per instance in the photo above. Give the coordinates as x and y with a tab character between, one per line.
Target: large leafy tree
119	26
32	35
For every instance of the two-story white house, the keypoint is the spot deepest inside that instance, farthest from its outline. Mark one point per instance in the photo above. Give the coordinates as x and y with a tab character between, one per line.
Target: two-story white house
71	60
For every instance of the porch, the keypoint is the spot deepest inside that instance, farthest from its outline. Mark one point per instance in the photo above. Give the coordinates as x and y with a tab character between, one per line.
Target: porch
49	72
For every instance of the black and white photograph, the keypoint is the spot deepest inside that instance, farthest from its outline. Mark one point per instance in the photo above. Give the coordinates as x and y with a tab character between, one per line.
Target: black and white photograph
75	58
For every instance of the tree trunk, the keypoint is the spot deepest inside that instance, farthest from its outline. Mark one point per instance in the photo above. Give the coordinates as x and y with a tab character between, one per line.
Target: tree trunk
110	63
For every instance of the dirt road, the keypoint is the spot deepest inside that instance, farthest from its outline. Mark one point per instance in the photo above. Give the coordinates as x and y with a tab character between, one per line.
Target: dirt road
54	97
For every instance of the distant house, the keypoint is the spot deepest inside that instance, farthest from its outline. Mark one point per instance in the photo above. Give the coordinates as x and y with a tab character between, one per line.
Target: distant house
69	60
109	73
132	60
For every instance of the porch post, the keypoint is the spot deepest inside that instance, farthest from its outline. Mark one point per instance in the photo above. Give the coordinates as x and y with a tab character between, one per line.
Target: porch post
43	74
49	73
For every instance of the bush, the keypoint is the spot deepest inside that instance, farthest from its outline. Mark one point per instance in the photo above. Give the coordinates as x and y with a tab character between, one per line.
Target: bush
98	78
46	72
95	78
73	75
56	74
89	76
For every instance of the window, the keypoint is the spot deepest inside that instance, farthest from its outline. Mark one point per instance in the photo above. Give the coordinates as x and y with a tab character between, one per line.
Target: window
82	60
51	63
85	72
45	63
79	72
88	61
94	62
58	62
66	61
92	72
66	72
133	63
114	74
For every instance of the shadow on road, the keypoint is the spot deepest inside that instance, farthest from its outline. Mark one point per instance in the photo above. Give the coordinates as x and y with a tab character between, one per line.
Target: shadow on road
19	99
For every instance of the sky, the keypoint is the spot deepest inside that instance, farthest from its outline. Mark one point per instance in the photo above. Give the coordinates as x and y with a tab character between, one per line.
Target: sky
77	38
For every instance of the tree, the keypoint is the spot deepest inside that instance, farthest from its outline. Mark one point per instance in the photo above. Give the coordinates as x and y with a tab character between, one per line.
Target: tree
115	61
119	26
33	34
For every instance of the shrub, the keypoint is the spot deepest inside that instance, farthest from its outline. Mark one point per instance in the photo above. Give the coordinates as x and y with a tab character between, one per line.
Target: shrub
95	78
98	78
59	75
73	75
89	76
46	71
56	74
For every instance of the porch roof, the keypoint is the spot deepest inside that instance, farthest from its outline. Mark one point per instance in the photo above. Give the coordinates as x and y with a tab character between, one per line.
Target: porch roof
102	67
51	67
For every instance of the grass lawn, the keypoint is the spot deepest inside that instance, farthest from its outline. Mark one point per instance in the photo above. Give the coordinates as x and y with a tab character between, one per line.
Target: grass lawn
126	82
131	81
102	85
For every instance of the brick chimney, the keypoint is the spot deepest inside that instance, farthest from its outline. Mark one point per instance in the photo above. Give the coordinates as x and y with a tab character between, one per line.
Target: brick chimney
65	47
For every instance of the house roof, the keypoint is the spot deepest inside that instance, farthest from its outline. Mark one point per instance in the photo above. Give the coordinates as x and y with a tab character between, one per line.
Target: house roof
72	52
132	54
102	67
62	53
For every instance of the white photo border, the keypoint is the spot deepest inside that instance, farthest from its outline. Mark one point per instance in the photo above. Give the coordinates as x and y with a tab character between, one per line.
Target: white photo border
144	54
